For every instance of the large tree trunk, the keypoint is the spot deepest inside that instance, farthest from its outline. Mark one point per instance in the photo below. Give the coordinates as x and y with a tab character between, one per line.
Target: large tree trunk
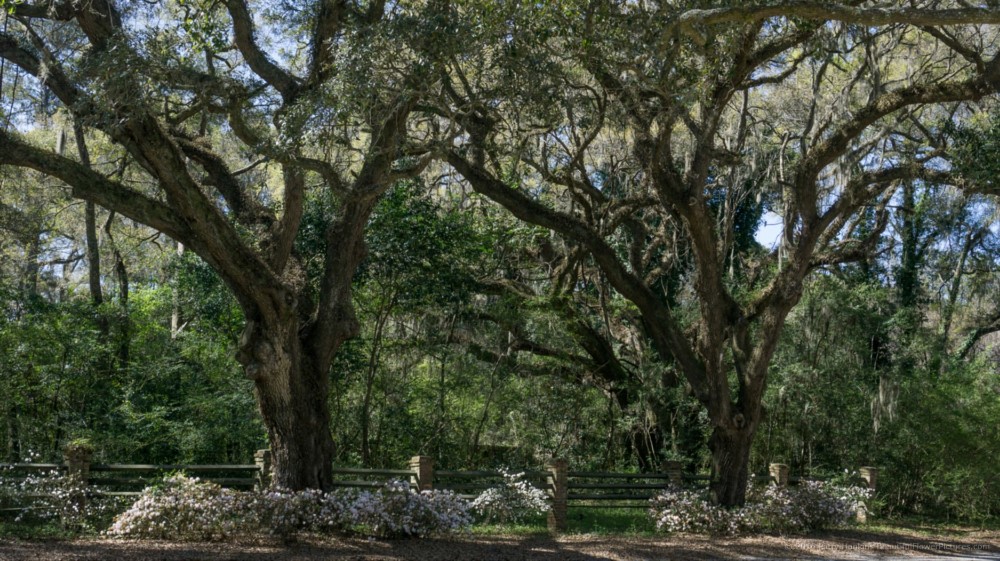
287	348
730	464
292	396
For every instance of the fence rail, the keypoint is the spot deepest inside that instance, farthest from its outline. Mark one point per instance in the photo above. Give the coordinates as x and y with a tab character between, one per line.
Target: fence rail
585	489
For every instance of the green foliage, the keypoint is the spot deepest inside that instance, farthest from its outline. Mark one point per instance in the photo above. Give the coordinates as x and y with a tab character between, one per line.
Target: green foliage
420	254
974	151
937	456
837	401
180	399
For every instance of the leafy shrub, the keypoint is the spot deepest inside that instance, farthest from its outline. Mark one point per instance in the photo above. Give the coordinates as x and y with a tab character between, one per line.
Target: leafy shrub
186	508
809	506
812	505
511	500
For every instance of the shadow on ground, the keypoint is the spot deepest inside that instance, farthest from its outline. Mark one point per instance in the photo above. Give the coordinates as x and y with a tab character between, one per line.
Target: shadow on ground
848	544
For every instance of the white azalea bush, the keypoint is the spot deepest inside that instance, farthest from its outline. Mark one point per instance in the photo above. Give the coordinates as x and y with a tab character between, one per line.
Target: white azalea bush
183	507
812	505
395	510
511	500
187	508
688	511
283	512
53	495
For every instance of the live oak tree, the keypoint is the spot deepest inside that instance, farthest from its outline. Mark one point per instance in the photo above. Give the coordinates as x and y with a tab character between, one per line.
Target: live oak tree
227	116
819	110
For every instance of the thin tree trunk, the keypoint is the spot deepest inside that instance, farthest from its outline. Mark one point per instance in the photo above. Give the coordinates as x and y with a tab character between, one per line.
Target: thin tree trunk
13	436
93	255
29	278
90	218
121	275
175	305
373	362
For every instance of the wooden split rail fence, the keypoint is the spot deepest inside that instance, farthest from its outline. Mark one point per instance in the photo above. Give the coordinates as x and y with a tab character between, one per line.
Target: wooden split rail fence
584	489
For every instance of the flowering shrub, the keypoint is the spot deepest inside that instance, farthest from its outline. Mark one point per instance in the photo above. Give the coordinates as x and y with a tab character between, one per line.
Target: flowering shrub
511	500
395	511
284	512
55	496
810	506
182	507
186	508
679	510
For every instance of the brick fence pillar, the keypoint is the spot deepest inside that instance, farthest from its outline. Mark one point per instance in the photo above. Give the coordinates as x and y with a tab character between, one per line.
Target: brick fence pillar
870	476
423	473
779	474
262	458
558	480
675	472
77	457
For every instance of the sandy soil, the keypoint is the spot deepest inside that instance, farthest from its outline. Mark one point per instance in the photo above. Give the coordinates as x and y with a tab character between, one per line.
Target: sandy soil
847	545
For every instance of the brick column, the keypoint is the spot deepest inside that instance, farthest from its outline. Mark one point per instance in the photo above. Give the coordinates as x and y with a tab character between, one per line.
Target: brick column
779	474
262	458
675	472
77	458
870	476
423	468
558	480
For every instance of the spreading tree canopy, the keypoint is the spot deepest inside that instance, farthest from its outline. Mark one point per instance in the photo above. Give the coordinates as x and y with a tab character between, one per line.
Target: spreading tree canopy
226	117
652	135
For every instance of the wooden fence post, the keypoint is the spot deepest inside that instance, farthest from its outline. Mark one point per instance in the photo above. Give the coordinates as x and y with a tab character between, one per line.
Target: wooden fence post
558	480
423	476
779	474
262	458
675	472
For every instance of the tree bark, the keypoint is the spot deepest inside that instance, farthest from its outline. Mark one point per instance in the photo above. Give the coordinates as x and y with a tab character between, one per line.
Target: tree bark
730	464
292	395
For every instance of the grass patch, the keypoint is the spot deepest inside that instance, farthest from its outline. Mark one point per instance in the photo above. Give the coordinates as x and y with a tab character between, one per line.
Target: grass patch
34	530
930	527
601	521
530	526
610	521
